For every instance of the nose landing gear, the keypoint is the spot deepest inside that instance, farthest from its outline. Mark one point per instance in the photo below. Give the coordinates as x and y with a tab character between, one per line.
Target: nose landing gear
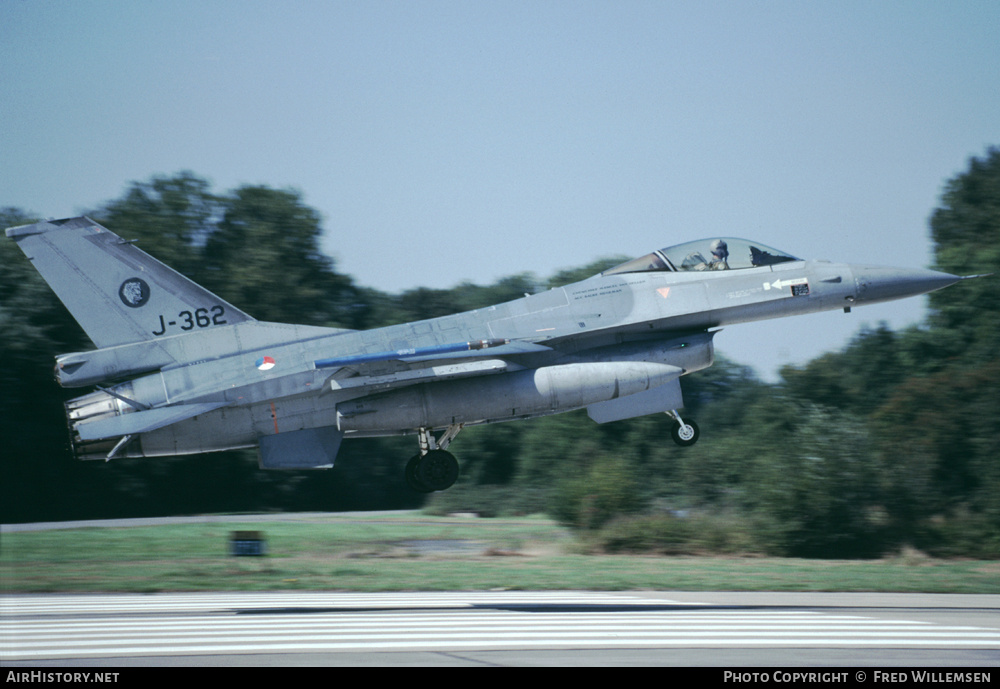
684	433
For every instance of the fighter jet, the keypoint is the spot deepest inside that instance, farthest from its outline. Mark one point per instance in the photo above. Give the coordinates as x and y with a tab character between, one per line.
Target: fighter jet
177	370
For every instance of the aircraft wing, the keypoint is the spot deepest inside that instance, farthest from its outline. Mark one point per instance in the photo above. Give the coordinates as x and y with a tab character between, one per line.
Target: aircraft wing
142	421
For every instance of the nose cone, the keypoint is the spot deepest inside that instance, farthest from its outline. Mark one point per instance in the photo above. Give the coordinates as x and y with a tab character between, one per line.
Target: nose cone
876	283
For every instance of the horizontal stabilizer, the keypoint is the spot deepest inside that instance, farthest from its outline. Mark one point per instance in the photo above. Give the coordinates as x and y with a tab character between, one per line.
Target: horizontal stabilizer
659	399
142	421
310	448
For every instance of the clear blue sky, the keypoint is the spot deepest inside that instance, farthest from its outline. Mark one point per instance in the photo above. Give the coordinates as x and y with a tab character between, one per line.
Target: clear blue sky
451	141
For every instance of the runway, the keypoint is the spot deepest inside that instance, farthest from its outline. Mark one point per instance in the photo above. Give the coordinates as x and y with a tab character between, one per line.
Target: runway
500	628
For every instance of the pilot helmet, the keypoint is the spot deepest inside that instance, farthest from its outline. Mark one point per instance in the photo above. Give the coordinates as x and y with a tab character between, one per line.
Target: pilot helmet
719	249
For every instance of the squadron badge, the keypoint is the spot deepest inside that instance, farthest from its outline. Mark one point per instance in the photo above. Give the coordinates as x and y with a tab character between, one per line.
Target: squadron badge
134	292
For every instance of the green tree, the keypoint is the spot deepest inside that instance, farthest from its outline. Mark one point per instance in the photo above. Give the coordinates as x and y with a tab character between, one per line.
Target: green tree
938	440
966	234
171	217
815	494
606	489
937	433
856	379
264	257
34	326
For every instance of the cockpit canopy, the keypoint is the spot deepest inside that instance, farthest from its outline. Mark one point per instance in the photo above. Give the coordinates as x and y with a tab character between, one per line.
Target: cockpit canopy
721	253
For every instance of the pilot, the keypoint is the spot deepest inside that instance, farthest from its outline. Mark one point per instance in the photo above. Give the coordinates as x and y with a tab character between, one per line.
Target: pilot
696	261
720	252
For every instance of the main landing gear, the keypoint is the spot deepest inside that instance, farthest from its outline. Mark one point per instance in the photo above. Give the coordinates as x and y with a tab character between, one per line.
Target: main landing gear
684	433
433	469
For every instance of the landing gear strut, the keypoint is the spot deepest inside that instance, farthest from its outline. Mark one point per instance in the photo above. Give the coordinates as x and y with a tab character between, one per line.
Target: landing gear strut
433	469
684	433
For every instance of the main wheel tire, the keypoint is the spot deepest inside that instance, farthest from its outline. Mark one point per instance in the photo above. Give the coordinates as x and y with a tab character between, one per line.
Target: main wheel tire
438	470
685	435
412	476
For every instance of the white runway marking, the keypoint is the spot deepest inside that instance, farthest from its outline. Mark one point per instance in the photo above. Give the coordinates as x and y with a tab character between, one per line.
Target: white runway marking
61	626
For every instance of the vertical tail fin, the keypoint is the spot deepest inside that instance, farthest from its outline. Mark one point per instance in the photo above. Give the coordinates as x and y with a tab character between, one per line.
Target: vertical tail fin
118	293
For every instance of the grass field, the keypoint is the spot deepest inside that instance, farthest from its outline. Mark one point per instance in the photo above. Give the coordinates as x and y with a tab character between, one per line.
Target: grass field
418	552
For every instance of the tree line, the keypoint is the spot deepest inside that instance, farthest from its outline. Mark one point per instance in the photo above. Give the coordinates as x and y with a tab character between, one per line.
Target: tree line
889	443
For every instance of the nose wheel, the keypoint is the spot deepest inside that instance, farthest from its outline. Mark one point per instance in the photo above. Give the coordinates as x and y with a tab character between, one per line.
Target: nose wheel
684	433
